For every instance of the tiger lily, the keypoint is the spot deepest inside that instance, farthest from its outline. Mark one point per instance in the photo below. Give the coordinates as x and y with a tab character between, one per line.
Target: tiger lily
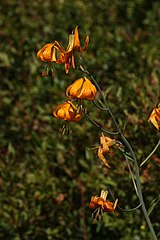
67	111
47	53
155	117
105	144
82	88
67	56
101	205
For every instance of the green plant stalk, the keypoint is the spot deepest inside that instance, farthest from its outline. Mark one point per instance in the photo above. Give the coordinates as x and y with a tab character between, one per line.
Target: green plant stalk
127	144
122	209
132	176
153	151
139	187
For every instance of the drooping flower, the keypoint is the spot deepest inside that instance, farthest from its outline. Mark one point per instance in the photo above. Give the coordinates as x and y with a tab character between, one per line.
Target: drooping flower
101	205
67	111
105	144
47	53
54	52
67	56
82	88
155	117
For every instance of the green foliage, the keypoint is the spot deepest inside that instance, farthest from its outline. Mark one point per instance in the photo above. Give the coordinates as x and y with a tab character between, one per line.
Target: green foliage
46	180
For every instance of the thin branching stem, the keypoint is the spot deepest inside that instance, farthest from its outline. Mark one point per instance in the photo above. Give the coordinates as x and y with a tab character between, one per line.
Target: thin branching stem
122	209
100	108
132	176
139	186
133	156
131	209
102	94
153	151
126	154
98	126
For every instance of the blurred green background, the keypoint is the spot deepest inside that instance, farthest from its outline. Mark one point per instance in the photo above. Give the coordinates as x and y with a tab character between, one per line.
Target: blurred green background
47	180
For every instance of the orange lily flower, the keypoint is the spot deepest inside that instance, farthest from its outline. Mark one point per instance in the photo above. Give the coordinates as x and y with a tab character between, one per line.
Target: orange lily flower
155	117
67	56
82	88
110	206
101	205
105	144
47	53
67	111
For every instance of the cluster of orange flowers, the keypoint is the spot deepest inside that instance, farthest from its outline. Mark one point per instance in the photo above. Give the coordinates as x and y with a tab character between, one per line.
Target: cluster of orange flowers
82	88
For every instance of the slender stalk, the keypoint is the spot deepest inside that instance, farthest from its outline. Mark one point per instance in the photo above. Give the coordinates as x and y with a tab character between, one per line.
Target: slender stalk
102	94
100	108
98	126
122	209
158	144
139	187
126	154
127	144
130	210
132	176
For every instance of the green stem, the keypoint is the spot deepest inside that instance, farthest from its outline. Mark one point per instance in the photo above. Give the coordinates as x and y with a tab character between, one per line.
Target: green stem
132	176
139	187
102	94
98	126
100	108
122	209
127	144
151	153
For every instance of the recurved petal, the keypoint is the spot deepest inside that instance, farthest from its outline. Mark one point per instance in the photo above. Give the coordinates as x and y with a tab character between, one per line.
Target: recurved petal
94	199
53	55
67	111
157	111
88	90
60	110
108	206
71	43
155	118
74	89
102	158
76	39
40	52
85	45
154	121
100	201
77	45
59	47
104	145
82	88
110	142
47	53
